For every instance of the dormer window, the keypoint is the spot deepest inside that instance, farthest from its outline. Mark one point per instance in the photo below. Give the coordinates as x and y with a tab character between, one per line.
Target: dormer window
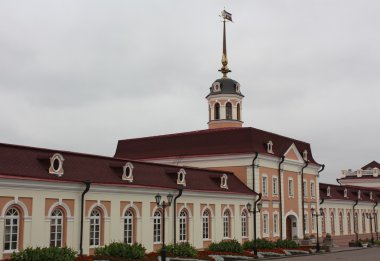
359	194
237	88
56	164
345	193
223	182
370	195
128	172
181	177
304	155
328	191
270	147
216	87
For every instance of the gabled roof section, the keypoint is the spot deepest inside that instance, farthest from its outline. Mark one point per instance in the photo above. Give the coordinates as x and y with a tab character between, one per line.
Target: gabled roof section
293	154
208	142
33	163
371	165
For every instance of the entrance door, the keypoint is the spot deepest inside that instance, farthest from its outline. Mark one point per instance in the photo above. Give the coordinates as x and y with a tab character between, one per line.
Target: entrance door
288	228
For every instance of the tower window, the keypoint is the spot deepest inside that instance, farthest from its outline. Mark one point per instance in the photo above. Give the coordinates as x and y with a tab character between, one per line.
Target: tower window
238	111
229	111
217	111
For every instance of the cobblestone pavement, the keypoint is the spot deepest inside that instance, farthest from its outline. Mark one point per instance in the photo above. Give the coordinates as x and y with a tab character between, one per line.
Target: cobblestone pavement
366	254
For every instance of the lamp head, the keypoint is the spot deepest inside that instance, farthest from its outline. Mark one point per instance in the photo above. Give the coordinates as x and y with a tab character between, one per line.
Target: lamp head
170	198
312	211
259	206
321	211
249	207
158	199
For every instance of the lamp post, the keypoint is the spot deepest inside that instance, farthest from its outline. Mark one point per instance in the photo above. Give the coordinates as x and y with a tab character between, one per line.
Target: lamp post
370	217
256	209
316	214
163	205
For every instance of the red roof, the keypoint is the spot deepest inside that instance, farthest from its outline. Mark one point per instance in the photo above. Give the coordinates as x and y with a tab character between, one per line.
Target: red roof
371	165
208	142
337	192
33	163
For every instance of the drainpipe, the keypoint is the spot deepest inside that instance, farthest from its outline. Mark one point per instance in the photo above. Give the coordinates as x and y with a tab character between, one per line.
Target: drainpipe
303	199
175	215
280	192
353	218
375	215
88	185
253	170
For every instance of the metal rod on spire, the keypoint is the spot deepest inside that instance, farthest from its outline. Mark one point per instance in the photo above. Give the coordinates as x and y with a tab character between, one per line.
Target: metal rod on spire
226	17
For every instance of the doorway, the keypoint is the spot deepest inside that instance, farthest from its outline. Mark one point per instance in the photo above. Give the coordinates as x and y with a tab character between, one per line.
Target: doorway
291	227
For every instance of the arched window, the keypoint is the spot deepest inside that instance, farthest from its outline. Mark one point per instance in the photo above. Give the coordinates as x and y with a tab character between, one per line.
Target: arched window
238	111
95	227
349	223
11	229
216	111
323	223
129	219
183	226
363	223
244	224
226	224
341	223
356	223
206	224
228	111
332	223
56	228
157	227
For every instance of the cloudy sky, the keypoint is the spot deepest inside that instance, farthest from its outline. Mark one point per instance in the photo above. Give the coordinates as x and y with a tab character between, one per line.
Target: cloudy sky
79	75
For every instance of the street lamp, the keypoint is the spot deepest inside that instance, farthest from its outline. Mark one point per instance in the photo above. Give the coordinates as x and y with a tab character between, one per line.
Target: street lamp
316	214
256	209
370	217
163	205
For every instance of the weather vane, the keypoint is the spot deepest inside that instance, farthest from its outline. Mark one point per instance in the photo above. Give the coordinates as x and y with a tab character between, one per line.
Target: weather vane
226	17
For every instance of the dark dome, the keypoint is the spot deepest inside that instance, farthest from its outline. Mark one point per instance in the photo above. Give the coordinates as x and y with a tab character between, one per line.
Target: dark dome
226	86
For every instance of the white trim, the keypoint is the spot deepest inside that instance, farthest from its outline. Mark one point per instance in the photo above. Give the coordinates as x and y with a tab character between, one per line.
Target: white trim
100	205
187	209
59	204
16	203
132	206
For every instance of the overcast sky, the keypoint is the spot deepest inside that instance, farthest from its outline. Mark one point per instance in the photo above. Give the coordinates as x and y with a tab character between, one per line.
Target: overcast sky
80	75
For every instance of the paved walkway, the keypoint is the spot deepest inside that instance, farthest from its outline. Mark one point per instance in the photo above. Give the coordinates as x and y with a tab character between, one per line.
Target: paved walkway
356	254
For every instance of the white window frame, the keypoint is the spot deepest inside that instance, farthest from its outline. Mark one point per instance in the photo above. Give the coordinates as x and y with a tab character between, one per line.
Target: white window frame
264	185
157	231
206	224
304	187
306	224
275	186
265	224
95	227
312	189
291	187
56	228
128	226
11	229
183	226
275	224
244	224
226	223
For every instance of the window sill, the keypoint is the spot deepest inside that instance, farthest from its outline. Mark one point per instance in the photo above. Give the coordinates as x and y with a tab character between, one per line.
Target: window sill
206	239
10	251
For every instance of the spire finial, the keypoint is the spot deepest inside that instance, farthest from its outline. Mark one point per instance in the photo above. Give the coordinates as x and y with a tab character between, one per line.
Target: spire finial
226	17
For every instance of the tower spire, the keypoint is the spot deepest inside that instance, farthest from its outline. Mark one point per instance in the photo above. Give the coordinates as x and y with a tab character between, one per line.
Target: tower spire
226	17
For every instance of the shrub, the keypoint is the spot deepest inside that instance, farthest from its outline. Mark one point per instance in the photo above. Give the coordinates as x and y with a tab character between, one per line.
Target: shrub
117	249
286	244
226	246
45	254
181	250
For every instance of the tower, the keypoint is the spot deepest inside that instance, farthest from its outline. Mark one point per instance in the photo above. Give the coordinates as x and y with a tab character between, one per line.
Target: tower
225	98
